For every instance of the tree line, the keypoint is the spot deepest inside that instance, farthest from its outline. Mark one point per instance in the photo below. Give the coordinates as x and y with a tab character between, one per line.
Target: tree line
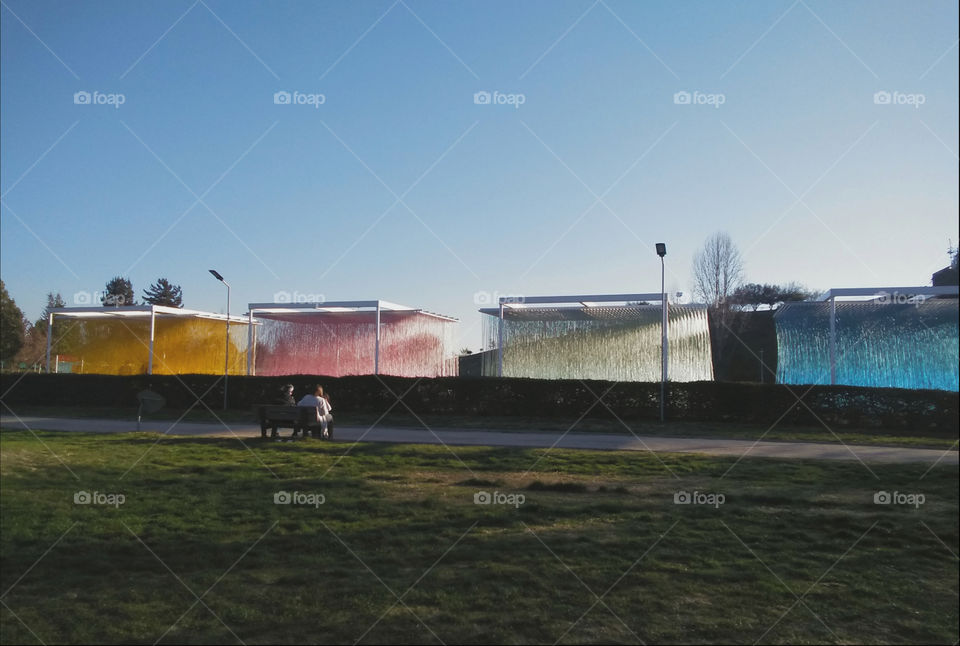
718	280
119	293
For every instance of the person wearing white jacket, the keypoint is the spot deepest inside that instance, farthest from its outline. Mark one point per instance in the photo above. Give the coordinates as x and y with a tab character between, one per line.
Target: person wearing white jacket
321	403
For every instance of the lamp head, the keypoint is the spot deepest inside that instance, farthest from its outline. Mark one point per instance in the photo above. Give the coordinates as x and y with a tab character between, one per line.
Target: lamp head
216	275
661	249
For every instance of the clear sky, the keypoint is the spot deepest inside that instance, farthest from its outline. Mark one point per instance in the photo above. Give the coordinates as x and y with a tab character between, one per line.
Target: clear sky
401	186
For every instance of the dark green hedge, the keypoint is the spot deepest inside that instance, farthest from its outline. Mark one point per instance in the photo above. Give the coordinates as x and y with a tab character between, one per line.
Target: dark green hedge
835	406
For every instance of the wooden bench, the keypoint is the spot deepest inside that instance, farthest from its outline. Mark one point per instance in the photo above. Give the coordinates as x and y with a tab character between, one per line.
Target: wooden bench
276	416
298	418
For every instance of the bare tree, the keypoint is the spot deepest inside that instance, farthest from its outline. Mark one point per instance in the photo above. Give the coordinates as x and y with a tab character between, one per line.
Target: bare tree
717	270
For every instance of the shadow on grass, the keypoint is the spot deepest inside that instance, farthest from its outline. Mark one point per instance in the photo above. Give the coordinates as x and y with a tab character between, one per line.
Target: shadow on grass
196	453
485	573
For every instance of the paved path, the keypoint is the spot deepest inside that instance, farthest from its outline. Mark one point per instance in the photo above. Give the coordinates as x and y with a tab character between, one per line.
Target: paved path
531	439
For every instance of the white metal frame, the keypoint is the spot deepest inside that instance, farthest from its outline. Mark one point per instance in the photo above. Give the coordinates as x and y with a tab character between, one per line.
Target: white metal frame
838	292
574	302
352	307
132	312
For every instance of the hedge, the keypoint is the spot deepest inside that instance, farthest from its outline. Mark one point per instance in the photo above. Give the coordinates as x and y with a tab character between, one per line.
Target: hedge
834	406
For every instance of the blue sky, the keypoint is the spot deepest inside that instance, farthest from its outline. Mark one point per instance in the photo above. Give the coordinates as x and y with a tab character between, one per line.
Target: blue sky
400	186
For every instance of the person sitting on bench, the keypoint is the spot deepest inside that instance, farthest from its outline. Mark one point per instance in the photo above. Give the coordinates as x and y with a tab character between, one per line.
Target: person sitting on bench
321	403
286	396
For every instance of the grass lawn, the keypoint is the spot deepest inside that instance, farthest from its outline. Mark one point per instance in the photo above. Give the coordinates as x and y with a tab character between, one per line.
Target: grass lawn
935	439
596	551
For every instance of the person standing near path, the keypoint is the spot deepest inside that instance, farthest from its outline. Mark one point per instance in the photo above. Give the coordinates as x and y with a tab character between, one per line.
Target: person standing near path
321	403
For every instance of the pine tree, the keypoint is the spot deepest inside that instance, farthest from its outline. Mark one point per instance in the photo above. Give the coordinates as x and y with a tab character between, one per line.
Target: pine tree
119	293
54	301
163	293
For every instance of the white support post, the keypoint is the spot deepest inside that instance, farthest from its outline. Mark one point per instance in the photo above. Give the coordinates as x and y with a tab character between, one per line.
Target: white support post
49	339
663	344
833	340
249	341
226	351
153	331
376	348
666	338
500	342
254	349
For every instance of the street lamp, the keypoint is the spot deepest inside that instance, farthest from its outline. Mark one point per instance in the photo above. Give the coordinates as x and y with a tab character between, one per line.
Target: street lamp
662	251
226	355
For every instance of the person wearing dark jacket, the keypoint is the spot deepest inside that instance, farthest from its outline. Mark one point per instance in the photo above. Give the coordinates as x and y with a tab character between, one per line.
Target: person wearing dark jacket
286	396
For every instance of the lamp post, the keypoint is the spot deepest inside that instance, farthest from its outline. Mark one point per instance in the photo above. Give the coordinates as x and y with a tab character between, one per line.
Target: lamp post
662	251
226	354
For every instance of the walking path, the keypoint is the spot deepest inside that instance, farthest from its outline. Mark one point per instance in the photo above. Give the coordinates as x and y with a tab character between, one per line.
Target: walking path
531	439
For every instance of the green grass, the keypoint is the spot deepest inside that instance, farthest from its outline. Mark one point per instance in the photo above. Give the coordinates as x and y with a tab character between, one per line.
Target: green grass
401	519
926	438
